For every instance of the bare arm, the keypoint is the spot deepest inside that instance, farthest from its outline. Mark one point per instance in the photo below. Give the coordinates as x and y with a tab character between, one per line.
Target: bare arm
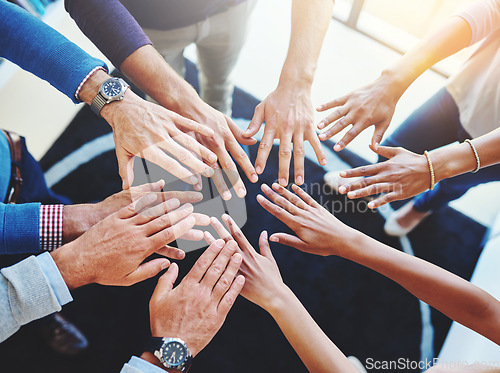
375	103
407	174
319	232
288	111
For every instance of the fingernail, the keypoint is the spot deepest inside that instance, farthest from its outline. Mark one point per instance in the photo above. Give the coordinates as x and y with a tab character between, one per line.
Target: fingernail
342	190
351	194
240	279
243	192
193	180
237	258
226	195
212	158
321	125
343	174
274	239
165	264
337	148
283	182
219	243
232	244
258	169
299	180
323	161
371	205
198	187
260	198
181	254
322	136
276	186
209	172
264	234
254	178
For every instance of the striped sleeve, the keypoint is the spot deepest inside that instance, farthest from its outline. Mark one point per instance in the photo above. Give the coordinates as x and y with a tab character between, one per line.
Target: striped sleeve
51	227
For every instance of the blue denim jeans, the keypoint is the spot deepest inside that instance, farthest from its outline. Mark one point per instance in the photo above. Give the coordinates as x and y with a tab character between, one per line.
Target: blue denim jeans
434	124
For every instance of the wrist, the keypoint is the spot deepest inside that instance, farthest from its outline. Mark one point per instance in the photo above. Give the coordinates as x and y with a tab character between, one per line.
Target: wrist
72	270
77	219
395	82
279	301
89	90
297	79
152	359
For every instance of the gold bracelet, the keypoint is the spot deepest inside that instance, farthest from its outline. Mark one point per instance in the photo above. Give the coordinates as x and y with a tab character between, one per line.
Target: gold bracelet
478	161
431	169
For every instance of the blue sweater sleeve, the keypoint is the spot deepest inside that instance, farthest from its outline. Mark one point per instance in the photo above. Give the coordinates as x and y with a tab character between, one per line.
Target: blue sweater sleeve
36	47
20	228
110	27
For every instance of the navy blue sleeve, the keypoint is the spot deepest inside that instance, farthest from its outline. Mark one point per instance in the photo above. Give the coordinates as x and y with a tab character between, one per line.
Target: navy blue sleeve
36	47
110	27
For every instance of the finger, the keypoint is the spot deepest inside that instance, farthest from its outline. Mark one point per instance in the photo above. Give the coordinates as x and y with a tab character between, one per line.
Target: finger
298	158
166	282
312	137
219	228
265	249
386	198
350	135
162	221
362	171
387	151
218	266
125	167
186	157
227	278
256	122
242	159
333	103
146	215
289	240
148	187
284	158
208	237
236	233
332	117
172	233
191	125
285	193
157	156
146	270
220	183
231	171
371	190
131	209
189	142
378	133
238	133
336	128
265	146
230	297
275	210
171	252
192	235
183	197
304	196
205	261
278	199
360	184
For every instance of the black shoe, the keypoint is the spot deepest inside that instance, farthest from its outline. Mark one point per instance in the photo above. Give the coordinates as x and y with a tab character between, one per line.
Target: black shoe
61	335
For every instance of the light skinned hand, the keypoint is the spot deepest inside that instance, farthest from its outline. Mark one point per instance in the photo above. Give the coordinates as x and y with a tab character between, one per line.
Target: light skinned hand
262	275
224	143
288	115
318	231
195	310
147	130
112	251
371	105
405	174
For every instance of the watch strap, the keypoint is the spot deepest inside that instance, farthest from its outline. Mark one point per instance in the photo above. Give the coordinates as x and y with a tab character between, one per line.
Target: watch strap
154	344
98	103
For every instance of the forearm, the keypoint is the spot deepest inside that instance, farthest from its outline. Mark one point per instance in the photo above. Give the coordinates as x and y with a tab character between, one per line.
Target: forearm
310	20
77	219
316	350
458	159
448	293
447	40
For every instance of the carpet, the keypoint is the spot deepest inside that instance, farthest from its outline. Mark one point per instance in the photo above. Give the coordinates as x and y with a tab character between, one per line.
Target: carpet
364	313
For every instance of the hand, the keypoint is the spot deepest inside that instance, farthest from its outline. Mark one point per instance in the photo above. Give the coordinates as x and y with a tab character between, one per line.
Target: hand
225	141
196	309
80	218
404	175
144	129
262	276
288	116
112	251
318	231
371	105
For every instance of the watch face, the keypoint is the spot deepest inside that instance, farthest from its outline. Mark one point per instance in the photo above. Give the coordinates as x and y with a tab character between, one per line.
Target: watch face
174	353
111	88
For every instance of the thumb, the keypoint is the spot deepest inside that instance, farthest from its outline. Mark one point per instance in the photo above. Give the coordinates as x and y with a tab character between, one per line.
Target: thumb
265	249
125	168
147	270
238	133
378	134
166	282
289	240
255	123
385	151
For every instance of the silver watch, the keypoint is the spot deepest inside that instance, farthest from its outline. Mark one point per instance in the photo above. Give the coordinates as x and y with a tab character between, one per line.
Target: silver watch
112	89
172	352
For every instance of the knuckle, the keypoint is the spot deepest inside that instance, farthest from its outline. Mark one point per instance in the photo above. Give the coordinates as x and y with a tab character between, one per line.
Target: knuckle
284	152
264	146
224	282
298	150
228	164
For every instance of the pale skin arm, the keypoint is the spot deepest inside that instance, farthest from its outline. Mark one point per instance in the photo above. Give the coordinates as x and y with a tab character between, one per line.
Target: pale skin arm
319	232
407	174
151	73
141	128
374	104
264	287
288	111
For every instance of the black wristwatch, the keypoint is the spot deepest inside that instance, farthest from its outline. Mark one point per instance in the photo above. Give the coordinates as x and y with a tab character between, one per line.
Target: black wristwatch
172	352
112	89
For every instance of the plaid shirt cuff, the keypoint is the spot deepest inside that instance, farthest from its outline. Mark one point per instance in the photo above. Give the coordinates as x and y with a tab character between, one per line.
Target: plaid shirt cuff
51	227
